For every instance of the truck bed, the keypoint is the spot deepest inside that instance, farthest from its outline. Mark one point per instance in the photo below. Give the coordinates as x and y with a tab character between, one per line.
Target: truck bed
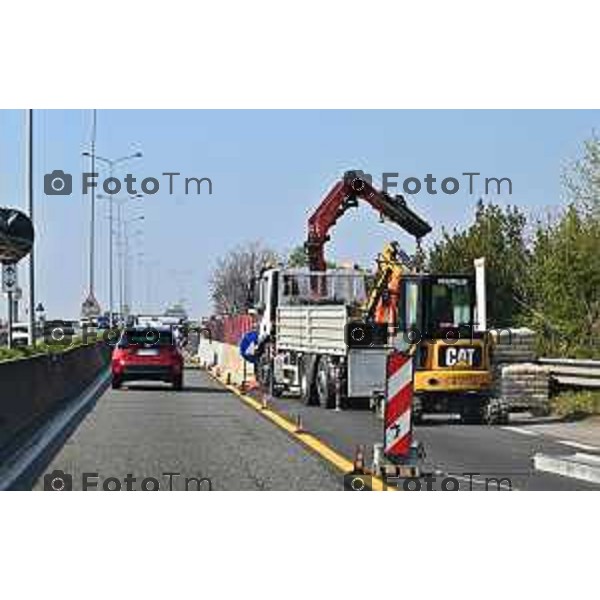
316	329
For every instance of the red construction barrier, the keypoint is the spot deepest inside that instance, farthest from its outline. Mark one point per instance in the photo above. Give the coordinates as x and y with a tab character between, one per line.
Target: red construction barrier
231	329
397	417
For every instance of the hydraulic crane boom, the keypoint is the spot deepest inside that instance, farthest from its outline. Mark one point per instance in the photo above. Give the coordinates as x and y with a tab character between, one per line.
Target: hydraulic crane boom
344	195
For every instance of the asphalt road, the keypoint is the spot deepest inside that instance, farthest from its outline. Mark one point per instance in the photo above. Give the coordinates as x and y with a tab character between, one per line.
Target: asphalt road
148	430
452	449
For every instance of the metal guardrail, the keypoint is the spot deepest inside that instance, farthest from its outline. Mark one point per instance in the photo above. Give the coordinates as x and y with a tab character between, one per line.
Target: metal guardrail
576	372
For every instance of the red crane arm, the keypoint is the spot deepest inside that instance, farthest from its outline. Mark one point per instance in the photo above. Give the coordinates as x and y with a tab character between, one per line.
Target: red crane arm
344	195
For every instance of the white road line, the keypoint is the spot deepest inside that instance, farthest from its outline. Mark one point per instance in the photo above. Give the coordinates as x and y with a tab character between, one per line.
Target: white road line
521	430
579	445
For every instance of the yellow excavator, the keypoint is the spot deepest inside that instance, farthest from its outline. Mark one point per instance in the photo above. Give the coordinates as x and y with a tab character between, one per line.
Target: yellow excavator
452	360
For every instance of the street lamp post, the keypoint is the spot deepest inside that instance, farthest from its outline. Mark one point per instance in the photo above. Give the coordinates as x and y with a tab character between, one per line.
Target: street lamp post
120	241
112	163
125	258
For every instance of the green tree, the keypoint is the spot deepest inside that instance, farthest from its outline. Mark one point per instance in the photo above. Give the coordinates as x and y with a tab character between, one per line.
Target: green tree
498	234
297	258
565	267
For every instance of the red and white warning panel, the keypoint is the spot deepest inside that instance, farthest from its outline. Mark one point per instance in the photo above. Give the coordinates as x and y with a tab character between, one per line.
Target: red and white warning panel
398	403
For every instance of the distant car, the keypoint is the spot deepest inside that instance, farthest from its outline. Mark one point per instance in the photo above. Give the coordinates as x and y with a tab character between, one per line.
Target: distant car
145	354
103	323
20	334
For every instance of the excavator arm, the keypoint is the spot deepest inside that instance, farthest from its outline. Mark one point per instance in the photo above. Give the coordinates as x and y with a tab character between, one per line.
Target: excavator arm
344	195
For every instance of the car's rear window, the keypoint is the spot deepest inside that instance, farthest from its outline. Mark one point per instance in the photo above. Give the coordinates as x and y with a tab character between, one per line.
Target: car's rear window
154	337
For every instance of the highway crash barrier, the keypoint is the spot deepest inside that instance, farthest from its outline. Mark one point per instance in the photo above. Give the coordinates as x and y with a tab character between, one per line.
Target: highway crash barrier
30	388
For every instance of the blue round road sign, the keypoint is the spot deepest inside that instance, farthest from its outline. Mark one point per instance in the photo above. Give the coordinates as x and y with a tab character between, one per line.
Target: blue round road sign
248	346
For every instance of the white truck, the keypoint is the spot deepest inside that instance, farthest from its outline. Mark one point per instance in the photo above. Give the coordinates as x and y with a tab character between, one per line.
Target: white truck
311	342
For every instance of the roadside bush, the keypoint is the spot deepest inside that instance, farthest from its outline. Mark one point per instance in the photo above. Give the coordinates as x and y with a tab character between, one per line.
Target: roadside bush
576	405
40	348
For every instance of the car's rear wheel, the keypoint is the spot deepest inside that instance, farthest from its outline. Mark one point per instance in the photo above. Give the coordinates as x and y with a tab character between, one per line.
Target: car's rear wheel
178	382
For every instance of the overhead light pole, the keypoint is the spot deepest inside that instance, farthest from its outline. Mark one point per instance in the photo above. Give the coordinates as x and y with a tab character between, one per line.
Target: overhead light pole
121	201
90	304
125	268
112	163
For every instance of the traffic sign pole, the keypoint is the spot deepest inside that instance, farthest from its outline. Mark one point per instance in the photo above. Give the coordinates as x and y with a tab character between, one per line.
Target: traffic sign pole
10	319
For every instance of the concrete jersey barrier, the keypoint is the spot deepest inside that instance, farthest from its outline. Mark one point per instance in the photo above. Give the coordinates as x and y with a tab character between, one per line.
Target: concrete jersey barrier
31	387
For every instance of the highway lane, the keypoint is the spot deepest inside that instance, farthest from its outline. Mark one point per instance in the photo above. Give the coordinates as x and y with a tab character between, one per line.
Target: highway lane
148	430
452	449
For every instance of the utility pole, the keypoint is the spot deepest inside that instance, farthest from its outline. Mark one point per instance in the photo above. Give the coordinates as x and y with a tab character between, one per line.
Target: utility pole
9	296
29	188
93	206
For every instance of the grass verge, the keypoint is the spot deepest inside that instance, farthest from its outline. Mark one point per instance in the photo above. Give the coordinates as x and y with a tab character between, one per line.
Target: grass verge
38	349
576	404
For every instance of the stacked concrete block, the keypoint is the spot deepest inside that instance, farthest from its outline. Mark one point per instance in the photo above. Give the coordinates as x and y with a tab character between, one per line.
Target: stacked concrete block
526	387
513	345
510	346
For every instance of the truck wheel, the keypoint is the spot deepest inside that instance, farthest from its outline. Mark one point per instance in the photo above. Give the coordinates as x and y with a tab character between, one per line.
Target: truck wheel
308	392
325	391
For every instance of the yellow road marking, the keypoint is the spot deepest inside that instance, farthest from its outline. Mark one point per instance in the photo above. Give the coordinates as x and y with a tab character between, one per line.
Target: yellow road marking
315	444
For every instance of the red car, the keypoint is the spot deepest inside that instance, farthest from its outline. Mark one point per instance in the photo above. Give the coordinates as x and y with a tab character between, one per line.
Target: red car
144	354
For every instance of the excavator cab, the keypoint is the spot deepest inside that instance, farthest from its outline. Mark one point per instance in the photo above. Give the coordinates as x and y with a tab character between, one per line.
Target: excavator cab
439	306
436	320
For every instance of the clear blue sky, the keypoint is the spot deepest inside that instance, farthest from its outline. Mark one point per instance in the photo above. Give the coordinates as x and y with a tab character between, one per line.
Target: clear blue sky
269	170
